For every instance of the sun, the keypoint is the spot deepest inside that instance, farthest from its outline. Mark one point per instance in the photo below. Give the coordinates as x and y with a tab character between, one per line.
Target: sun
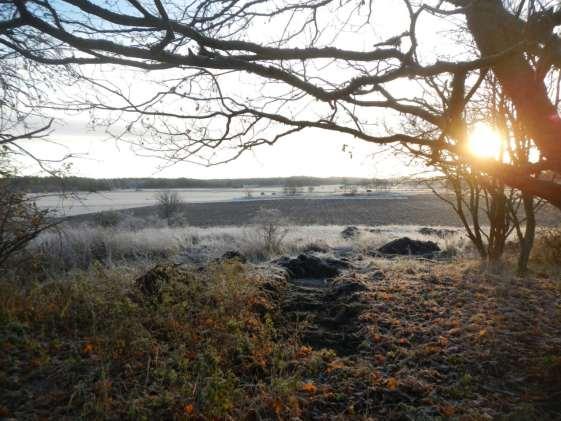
485	141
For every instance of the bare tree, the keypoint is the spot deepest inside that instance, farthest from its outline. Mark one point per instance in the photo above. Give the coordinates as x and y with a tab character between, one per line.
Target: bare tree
308	78
488	209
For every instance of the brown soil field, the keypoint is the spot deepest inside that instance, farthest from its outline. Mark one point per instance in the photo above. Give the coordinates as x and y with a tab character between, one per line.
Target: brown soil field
421	209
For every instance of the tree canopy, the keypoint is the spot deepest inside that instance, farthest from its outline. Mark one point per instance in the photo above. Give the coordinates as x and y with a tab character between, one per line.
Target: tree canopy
239	74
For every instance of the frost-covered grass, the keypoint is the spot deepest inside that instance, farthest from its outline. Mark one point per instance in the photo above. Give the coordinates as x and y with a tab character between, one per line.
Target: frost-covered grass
79	246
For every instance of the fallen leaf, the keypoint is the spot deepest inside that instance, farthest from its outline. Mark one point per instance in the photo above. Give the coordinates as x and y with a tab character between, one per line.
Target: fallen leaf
277	406
303	351
88	348
309	388
189	409
376	377
447	410
391	383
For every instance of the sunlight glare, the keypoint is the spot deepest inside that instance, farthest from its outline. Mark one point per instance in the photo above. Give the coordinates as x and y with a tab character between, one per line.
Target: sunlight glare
485	141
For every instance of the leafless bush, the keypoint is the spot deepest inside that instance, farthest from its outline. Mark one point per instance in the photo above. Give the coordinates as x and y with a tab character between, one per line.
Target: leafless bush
108	219
20	222
271	229
547	249
169	203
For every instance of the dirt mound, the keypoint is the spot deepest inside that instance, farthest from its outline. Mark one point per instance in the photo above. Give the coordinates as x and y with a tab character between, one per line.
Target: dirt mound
350	232
308	266
406	246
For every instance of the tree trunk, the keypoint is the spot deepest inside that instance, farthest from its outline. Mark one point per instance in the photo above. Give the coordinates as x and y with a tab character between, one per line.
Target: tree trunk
527	241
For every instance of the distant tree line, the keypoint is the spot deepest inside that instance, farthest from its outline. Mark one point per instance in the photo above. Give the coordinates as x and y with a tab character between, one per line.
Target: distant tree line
72	184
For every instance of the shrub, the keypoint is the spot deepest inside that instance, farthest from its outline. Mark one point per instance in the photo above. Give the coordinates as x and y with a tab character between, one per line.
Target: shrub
271	229
547	249
20	222
108	219
169	203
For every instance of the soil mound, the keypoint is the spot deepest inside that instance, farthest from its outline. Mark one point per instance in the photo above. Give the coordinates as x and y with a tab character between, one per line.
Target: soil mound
308	266
406	246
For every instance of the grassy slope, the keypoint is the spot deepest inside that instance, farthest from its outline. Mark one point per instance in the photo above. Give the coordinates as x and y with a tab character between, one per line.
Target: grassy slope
441	340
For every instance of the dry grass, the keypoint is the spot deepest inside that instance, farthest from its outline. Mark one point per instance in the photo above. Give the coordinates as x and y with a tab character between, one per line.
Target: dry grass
94	347
440	340
78	247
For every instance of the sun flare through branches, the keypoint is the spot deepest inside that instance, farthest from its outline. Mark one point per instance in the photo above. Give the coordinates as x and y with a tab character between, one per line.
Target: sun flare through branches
485	141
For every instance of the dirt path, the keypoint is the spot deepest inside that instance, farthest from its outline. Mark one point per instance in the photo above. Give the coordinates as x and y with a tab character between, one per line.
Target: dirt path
330	310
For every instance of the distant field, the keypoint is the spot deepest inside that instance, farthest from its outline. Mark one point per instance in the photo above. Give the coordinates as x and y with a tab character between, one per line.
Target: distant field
83	202
415	209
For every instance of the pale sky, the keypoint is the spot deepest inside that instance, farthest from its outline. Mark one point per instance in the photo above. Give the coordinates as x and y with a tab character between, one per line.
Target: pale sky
308	153
313	153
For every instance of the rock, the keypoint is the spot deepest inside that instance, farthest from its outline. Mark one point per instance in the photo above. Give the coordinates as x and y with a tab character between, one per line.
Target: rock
307	266
234	255
406	246
350	232
438	232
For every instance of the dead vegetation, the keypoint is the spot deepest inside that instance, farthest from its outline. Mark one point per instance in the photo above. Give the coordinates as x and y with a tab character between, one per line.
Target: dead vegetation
399	339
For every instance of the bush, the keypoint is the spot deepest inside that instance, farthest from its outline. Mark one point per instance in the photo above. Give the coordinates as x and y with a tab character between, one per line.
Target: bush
547	248
169	203
271	229
20	222
108	219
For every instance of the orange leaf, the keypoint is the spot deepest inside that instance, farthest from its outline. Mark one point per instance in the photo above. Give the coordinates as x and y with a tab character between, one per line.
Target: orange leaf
376	377
309	388
391	383
88	348
447	410
303	351
277	406
188	409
